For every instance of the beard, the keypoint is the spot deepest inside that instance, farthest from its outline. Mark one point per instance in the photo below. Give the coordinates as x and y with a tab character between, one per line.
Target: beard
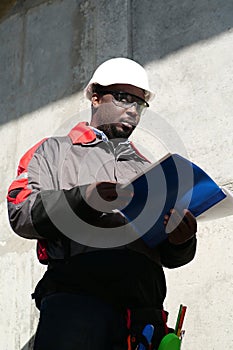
116	130
113	121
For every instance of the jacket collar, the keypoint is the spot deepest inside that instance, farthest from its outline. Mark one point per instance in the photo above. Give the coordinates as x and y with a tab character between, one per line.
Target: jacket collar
82	133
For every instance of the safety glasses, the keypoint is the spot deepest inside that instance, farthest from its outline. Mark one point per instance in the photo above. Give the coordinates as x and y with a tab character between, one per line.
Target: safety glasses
127	100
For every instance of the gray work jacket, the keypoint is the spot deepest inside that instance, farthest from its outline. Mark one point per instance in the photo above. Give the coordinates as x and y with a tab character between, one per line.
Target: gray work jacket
46	196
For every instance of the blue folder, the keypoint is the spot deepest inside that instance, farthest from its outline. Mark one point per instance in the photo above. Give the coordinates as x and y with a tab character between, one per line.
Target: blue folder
174	182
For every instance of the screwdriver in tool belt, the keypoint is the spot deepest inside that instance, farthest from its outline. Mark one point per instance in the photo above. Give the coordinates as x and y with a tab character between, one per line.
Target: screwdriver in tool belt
147	332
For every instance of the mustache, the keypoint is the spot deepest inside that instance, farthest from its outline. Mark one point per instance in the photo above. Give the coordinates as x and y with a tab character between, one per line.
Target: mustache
129	120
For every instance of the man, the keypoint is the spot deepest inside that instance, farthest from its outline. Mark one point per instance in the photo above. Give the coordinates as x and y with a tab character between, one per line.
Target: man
96	291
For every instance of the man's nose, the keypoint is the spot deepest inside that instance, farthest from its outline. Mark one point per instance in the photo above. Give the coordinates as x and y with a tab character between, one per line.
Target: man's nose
132	109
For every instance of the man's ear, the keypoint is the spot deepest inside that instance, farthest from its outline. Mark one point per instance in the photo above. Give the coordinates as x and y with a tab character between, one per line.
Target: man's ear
95	100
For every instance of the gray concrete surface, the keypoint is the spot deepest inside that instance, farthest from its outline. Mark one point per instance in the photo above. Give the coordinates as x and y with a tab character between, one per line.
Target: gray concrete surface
48	49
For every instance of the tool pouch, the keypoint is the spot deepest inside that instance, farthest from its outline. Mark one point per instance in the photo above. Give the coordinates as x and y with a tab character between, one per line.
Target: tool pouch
139	318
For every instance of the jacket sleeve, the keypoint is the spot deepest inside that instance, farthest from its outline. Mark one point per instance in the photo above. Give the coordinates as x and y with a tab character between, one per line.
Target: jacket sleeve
172	256
37	208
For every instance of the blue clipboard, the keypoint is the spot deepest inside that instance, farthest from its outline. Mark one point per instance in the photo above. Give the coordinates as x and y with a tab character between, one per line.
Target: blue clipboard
173	182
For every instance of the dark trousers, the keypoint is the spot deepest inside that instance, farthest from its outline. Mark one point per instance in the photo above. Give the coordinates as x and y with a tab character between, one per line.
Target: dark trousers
78	322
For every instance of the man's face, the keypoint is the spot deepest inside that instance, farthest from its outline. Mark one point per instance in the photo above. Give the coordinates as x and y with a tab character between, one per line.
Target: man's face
115	121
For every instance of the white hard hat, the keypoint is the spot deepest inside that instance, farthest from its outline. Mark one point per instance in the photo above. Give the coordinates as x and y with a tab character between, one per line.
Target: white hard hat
120	71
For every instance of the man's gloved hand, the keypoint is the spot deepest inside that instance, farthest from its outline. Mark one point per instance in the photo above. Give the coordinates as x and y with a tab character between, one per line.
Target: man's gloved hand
180	228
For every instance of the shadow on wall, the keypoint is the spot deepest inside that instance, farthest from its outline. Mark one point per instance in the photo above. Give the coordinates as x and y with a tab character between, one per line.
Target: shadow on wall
49	49
168	26
5	7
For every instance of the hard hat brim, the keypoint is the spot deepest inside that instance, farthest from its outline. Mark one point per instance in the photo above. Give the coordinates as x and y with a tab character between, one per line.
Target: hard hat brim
88	91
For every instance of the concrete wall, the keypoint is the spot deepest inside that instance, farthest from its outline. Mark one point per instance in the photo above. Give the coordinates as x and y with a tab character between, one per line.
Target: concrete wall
48	49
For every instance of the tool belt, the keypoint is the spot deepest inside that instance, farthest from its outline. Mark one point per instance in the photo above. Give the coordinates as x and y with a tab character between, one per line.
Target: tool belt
138	318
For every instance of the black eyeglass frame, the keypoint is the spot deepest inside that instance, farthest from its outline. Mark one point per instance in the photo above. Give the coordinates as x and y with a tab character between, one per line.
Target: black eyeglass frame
138	100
